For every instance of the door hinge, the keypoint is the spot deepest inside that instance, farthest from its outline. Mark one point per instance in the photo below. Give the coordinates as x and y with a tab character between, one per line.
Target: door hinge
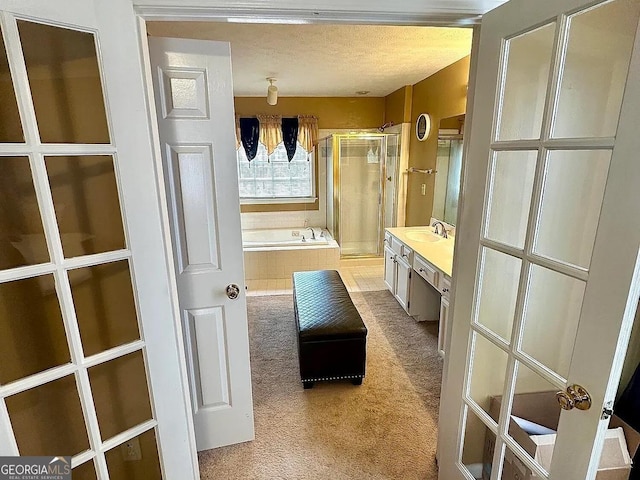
607	411
408	304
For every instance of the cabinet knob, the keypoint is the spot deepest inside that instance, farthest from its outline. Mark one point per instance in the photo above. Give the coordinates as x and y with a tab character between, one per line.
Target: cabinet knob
445	290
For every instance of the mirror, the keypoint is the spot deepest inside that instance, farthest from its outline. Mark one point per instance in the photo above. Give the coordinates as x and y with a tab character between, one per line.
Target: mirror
448	168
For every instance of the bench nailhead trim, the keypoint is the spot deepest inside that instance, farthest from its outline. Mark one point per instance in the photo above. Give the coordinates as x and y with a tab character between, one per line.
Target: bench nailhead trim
343	377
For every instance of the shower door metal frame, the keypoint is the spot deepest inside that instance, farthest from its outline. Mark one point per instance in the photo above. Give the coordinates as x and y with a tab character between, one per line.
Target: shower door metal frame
337	187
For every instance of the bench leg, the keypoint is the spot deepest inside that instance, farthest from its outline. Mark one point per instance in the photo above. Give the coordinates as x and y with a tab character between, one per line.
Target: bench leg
307	385
357	381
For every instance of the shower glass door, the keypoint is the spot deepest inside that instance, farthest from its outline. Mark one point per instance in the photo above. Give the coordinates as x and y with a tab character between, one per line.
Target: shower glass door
361	194
390	179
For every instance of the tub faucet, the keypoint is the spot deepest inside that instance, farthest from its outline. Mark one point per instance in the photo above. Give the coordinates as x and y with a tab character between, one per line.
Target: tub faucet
313	233
444	230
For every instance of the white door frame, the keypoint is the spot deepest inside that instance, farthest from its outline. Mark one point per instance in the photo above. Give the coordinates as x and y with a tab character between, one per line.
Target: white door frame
440	13
190	11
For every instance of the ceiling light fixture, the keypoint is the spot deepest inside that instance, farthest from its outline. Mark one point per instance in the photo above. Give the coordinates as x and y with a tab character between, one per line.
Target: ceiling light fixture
363	92
272	92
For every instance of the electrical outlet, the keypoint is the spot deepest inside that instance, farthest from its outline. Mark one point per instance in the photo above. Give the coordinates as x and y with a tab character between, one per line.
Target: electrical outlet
423	189
131	450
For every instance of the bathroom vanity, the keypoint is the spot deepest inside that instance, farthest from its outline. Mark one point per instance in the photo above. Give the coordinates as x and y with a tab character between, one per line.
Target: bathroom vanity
417	271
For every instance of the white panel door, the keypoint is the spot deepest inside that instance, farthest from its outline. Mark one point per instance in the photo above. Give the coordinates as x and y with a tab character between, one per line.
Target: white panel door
546	263
194	100
90	354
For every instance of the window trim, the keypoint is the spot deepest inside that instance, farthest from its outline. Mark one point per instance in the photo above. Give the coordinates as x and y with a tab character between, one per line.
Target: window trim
276	200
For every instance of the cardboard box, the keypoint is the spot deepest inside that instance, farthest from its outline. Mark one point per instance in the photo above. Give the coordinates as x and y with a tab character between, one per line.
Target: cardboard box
542	408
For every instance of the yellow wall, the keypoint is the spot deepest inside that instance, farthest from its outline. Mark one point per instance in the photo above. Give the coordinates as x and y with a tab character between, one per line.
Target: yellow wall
332	112
397	105
441	95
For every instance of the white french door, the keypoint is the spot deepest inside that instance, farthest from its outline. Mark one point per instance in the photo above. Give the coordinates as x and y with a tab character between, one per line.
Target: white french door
91	360
546	264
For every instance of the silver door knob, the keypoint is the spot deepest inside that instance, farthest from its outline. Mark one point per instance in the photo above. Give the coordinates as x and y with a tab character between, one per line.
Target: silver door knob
233	291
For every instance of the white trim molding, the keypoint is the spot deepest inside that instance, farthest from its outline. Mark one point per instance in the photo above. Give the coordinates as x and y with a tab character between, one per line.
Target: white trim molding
375	12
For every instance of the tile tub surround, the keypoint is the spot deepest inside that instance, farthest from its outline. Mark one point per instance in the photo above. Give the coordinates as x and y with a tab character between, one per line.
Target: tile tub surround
279	263
358	275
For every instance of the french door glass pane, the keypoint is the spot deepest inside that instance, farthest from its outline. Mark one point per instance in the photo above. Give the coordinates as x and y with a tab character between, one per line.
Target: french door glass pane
10	124
105	307
32	336
488	371
511	187
571	201
147	467
595	69
534	401
479	444
48	420
513	468
499	278
551	318
65	82
21	232
525	86
120	394
86	471
85	198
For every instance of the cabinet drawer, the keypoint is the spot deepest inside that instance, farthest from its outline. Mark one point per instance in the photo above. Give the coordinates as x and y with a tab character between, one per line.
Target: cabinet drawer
396	245
444	285
407	254
387	239
425	270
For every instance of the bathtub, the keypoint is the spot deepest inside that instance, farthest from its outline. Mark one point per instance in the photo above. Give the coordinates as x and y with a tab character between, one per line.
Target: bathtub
284	237
277	253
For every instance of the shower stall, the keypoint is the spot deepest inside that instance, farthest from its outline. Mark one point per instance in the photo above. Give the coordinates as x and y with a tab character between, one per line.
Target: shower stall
362	175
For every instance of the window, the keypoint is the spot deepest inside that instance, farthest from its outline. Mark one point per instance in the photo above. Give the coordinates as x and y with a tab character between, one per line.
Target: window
270	177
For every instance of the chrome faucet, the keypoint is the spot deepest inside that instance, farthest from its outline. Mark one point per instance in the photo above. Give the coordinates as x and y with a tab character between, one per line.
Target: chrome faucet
444	230
313	233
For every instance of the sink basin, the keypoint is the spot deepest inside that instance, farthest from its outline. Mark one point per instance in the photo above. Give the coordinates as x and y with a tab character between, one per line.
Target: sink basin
423	236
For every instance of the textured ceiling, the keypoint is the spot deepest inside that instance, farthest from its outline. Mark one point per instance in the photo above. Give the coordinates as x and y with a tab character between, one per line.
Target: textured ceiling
327	60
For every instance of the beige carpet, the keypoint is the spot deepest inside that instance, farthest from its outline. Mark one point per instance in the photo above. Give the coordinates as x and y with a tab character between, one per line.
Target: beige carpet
384	429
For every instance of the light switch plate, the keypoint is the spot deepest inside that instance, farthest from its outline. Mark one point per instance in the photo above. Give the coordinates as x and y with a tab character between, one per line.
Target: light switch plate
131	450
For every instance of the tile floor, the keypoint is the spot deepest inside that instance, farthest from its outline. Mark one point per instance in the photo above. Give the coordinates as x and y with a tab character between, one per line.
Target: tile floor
359	275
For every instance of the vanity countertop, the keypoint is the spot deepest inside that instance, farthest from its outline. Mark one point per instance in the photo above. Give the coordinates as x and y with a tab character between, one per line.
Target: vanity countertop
421	241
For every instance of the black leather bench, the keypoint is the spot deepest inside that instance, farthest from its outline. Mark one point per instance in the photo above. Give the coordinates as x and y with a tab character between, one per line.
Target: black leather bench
332	338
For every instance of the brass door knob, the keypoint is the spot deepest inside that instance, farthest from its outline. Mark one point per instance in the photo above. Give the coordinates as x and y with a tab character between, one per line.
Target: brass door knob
565	401
576	396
